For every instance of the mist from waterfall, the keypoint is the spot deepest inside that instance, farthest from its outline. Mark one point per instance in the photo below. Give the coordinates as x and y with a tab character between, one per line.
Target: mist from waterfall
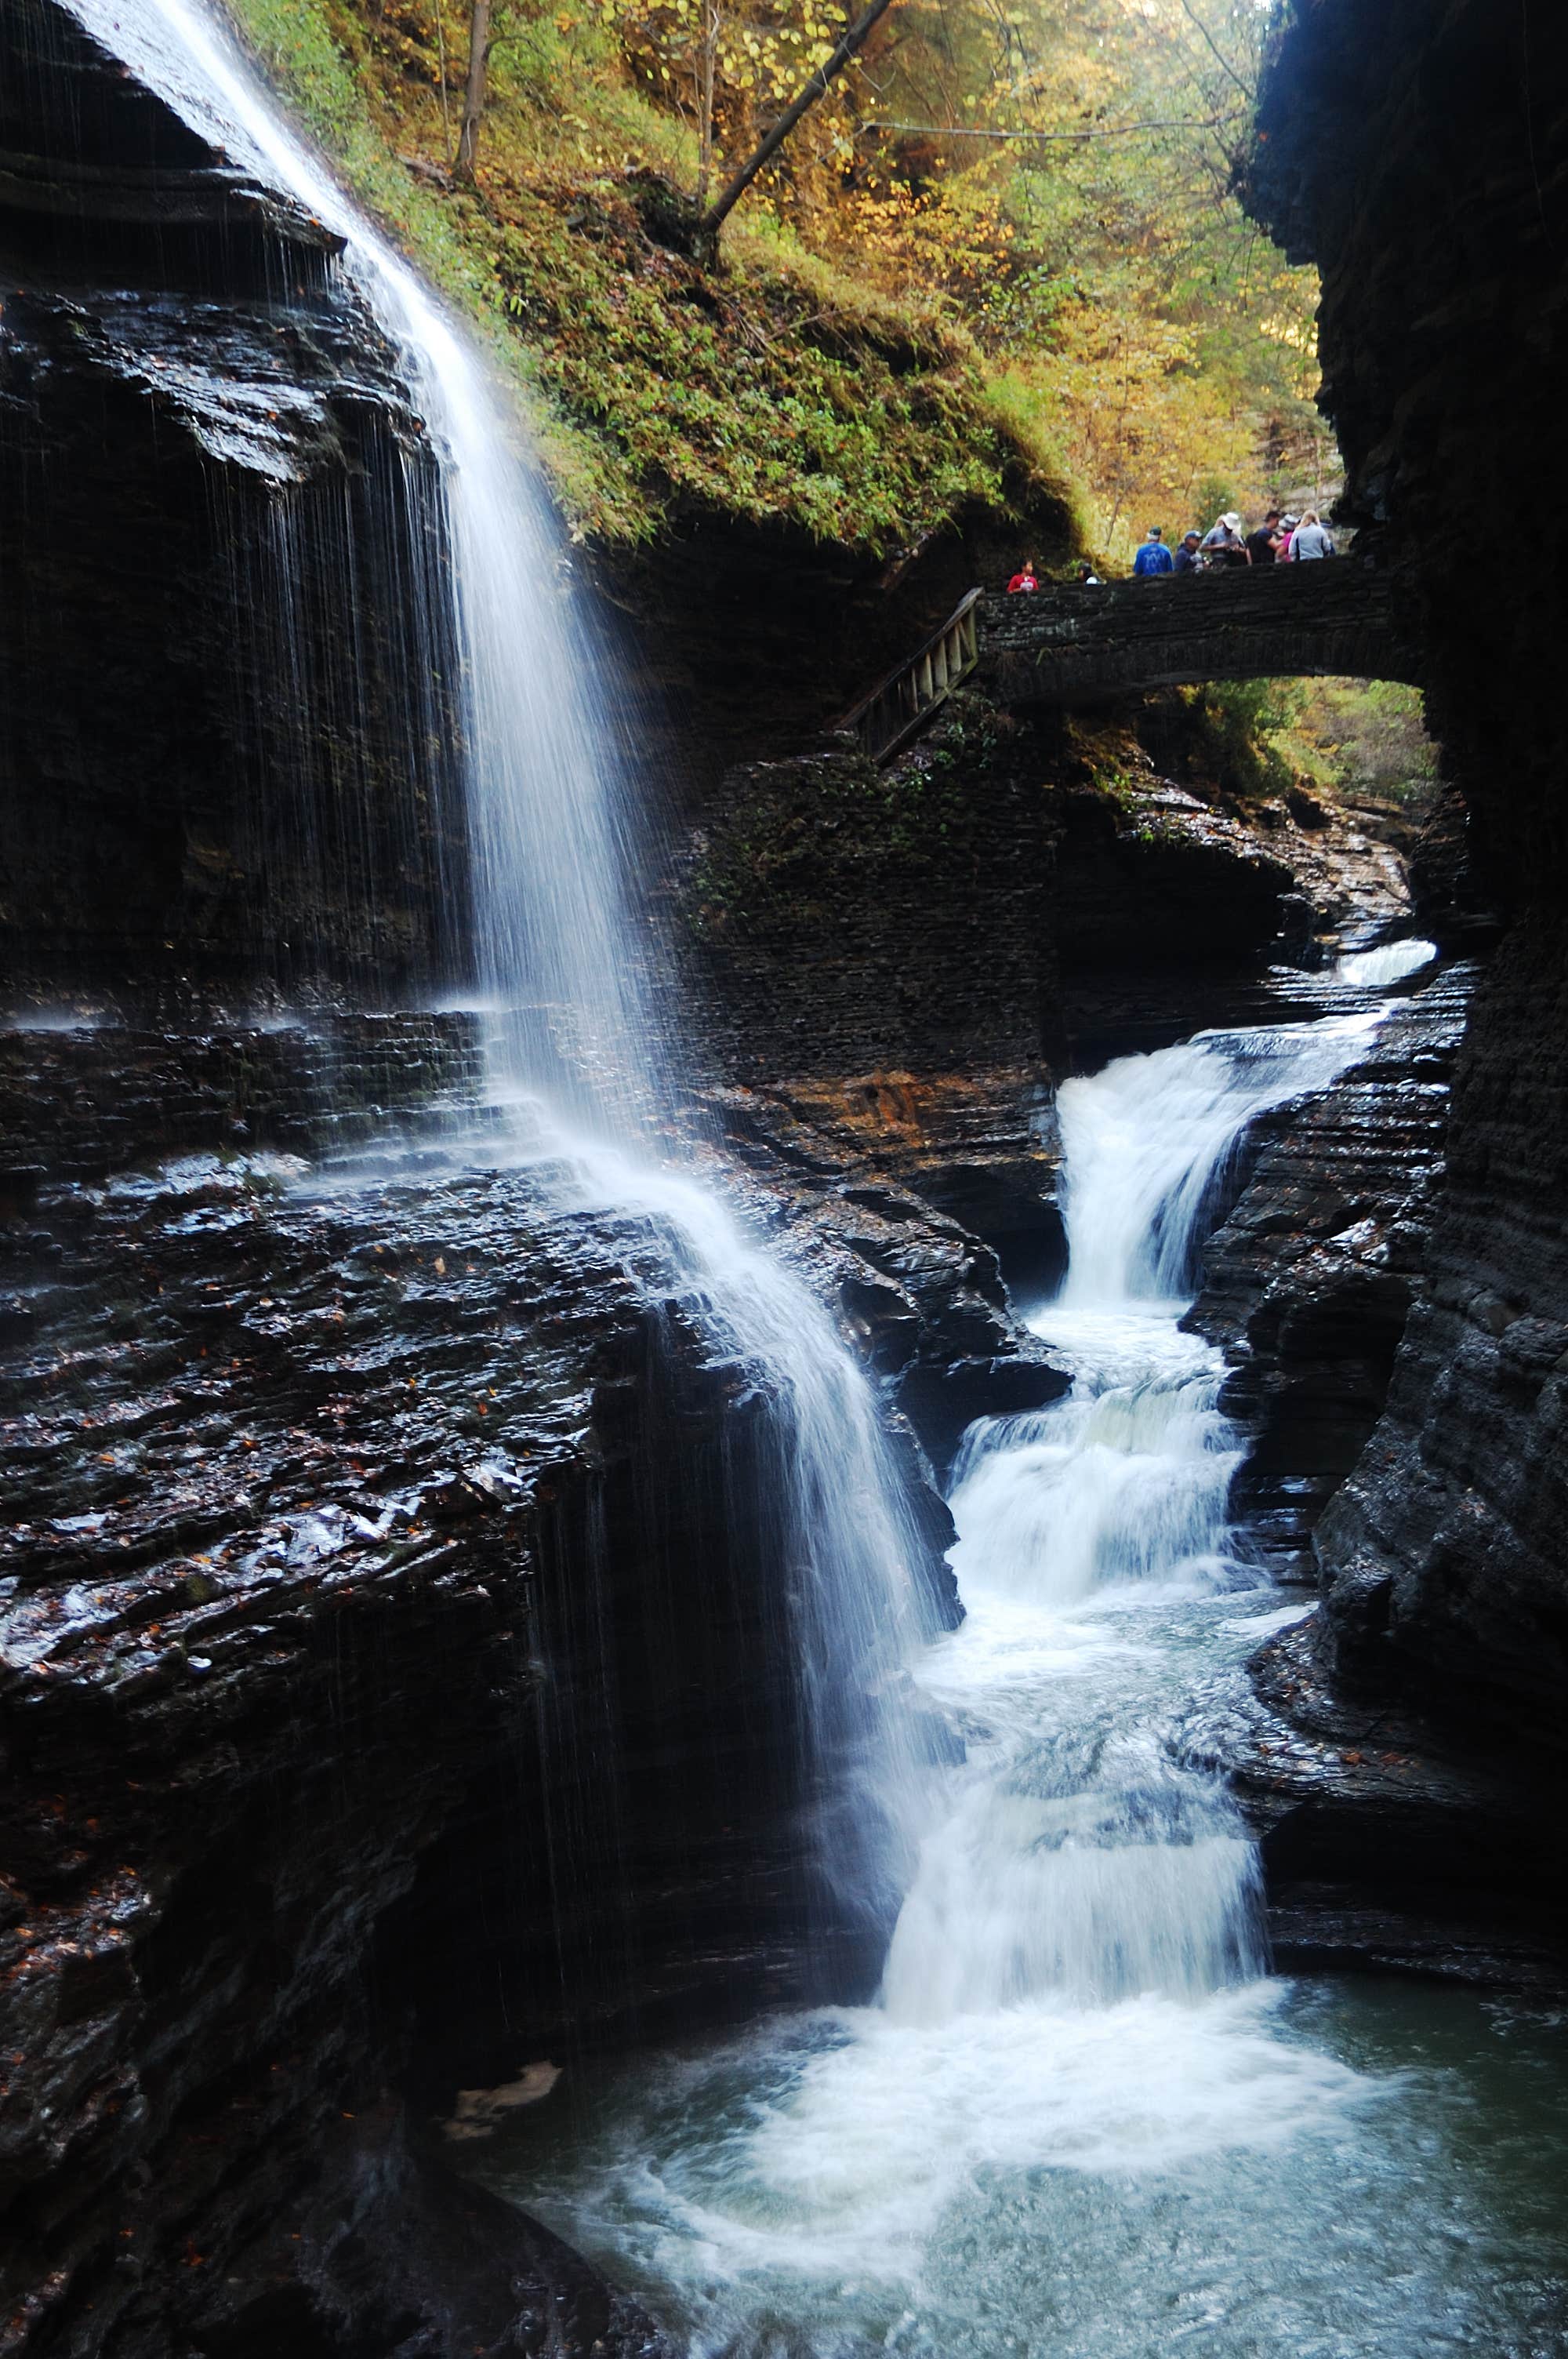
561	951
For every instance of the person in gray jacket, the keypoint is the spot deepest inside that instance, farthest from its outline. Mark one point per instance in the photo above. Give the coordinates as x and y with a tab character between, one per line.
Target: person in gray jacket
1311	539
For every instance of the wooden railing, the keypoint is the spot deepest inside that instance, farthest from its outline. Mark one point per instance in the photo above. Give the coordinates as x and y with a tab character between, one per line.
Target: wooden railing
903	702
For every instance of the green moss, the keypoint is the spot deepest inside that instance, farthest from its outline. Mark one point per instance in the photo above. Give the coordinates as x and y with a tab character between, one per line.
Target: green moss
769	387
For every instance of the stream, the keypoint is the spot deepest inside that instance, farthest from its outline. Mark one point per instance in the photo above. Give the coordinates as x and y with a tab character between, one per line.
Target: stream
1081	2119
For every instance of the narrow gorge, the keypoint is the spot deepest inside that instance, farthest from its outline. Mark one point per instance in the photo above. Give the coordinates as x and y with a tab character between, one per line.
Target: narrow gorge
784	1568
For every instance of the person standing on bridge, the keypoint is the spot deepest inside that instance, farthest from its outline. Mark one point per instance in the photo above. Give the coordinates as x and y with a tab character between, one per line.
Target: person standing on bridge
1312	539
1186	557
1263	546
1025	577
1153	557
1223	544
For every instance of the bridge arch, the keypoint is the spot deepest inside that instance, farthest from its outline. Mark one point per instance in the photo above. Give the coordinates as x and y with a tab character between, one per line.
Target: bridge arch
1073	644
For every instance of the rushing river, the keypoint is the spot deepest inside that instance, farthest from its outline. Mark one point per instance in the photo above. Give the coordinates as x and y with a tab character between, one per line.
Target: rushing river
1080	2118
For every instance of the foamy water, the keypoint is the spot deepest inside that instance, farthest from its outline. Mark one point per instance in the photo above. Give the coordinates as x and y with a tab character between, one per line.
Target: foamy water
1080	2119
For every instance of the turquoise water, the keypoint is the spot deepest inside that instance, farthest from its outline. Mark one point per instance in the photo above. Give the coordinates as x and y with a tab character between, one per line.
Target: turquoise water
1355	2170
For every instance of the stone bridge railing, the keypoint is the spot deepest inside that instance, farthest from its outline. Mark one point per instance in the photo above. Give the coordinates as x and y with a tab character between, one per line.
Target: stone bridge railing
1071	645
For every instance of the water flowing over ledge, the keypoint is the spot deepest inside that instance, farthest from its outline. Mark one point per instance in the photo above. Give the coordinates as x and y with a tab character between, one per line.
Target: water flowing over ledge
579	1070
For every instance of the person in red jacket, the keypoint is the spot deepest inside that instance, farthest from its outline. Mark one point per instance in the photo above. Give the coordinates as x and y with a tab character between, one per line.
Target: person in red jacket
1025	580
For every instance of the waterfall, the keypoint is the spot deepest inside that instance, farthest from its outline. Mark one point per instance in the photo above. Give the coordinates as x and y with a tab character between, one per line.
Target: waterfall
1071	2069
1076	1858
1388	964
559	956
1146	1141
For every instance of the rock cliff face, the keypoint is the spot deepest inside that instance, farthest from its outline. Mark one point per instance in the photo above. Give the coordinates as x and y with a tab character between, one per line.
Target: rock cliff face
212	764
1310	1281
1420	152
397	1684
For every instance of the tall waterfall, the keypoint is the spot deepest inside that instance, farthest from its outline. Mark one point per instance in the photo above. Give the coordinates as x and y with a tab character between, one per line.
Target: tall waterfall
560	960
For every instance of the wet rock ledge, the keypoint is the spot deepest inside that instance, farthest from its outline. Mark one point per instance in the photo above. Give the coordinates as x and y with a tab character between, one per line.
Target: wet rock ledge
1308	1283
316	1494
397	1670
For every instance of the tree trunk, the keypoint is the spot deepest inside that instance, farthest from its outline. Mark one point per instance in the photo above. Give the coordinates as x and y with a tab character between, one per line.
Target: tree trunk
730	194
708	61
474	95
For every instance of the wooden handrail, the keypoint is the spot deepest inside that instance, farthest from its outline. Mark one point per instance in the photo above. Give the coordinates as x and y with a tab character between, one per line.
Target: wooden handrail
905	698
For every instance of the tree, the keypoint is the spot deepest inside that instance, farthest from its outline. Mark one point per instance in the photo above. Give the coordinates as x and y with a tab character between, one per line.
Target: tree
480	46
853	39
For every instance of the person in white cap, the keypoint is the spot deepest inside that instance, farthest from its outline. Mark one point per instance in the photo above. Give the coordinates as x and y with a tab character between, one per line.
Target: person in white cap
1223	544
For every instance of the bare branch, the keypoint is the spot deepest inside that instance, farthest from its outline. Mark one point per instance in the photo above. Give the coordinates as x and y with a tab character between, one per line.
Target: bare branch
1247	89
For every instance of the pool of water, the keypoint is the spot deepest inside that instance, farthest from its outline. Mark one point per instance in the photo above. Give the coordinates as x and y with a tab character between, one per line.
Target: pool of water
1358	2169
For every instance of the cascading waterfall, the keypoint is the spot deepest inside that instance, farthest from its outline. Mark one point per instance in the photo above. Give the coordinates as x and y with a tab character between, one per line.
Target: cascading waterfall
1076	1990
1390	962
574	1059
1147	1140
1080	1861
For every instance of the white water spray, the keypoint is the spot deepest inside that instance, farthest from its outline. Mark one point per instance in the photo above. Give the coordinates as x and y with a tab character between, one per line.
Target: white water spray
1146	1140
1078	1861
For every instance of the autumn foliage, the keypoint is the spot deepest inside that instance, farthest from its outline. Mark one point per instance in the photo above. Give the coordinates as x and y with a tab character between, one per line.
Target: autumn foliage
1033	204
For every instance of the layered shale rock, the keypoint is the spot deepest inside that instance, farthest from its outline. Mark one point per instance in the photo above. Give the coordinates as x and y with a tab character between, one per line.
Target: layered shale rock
398	1681
1420	154
1309	1281
209	760
295	1493
1444	1557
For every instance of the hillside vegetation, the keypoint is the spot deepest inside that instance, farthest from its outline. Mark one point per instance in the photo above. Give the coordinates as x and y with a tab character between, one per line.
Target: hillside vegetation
999	263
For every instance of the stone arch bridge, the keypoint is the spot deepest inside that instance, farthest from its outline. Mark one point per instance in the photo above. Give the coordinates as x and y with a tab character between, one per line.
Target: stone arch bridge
1074	644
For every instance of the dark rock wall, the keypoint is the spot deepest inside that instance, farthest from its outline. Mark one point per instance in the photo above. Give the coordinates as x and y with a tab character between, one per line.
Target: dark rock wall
1310	1280
398	1688
1444	1554
1420	152
226	719
398	1673
848	918
78	1104
291	1493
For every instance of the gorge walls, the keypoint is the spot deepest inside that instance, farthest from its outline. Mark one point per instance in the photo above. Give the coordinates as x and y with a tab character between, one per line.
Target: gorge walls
230	765
1419	152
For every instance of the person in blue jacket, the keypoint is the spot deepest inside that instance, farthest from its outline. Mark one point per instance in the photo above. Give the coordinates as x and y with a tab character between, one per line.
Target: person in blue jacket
1153	557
